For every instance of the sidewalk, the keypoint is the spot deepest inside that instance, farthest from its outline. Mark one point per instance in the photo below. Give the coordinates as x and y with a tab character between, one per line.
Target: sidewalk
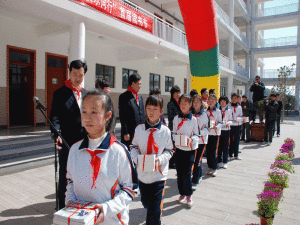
28	197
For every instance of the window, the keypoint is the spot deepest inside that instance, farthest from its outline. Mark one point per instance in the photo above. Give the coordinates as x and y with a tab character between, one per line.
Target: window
223	91
154	81
55	62
106	72
169	83
185	86
125	77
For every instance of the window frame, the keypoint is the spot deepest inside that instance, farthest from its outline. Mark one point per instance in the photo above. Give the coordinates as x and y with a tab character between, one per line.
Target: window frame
169	88
128	74
153	86
112	85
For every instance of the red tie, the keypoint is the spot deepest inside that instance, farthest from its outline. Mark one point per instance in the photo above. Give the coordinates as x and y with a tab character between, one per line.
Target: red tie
69	85
211	113
223	113
234	109
181	123
95	163
134	93
151	143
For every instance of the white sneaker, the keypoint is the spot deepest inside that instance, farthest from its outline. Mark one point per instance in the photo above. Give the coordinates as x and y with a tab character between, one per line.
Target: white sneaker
269	143
210	171
225	166
181	199
194	187
238	158
220	165
214	173
189	201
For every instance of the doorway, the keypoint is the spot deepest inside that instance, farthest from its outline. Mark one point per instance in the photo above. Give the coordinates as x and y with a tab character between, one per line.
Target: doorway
56	75
21	84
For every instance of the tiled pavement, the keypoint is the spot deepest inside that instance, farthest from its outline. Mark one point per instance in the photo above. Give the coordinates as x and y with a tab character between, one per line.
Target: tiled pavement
27	197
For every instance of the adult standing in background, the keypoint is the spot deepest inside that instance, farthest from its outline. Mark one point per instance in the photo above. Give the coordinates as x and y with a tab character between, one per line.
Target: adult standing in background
103	84
66	118
173	110
279	111
247	107
258	89
131	109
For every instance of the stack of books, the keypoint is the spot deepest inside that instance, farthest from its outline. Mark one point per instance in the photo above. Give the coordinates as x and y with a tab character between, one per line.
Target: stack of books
81	213
146	163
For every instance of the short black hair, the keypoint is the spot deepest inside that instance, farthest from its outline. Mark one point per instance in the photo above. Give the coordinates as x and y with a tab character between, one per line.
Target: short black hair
102	83
233	94
212	91
77	64
107	106
193	93
273	94
244	96
238	95
257	76
203	90
134	78
186	96
174	89
277	94
225	98
155	91
213	96
154	100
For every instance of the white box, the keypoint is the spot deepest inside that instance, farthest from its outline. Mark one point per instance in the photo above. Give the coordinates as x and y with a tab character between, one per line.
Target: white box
212	123
245	119
146	163
181	140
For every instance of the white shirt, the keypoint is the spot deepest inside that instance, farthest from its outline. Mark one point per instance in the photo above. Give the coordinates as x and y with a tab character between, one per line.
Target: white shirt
79	102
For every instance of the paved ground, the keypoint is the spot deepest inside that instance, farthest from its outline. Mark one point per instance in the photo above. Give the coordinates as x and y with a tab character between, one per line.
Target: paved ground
27	197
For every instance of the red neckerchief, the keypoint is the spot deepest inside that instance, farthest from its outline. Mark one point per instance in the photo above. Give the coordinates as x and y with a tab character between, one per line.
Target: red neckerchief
234	107
134	93
205	99
177	101
181	123
211	113
95	163
151	143
69	85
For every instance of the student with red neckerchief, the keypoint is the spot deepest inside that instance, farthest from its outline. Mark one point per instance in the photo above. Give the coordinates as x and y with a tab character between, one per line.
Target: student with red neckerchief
131	109
66	118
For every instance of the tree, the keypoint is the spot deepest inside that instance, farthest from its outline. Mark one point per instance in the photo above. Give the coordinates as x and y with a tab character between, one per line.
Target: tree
283	86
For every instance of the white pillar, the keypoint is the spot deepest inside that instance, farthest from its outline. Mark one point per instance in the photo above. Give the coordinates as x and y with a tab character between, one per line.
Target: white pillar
248	32
249	7
253	9
252	43
248	63
247	91
297	88
231	13
253	69
231	51
229	86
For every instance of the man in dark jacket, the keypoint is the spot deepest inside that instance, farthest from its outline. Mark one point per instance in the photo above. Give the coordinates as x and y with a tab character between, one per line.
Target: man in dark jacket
279	111
258	89
131	109
247	107
66	118
271	115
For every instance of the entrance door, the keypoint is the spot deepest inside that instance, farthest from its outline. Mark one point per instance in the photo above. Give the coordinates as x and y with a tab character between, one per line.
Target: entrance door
56	74
21	84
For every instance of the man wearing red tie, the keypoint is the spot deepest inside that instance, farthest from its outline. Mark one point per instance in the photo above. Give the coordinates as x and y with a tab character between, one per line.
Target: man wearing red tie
131	109
66	118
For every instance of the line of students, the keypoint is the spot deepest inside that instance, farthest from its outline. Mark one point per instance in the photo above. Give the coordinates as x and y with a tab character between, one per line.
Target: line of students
100	155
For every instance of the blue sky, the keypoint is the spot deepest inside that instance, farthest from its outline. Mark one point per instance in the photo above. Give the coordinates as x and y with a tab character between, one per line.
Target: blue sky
275	63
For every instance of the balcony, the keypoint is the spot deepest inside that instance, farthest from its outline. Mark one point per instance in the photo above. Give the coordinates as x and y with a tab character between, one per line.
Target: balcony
224	61
273	73
239	69
278	10
278	42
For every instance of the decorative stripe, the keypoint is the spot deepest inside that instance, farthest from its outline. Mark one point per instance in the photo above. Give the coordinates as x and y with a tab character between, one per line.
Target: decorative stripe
162	200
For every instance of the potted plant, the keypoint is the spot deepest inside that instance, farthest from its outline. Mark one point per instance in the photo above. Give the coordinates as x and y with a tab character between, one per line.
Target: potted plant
283	164
267	206
279	176
285	156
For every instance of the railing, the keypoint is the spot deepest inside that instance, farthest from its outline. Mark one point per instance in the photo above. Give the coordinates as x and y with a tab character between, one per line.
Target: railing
276	42
278	10
240	34
240	70
243	4
224	61
222	14
273	73
161	28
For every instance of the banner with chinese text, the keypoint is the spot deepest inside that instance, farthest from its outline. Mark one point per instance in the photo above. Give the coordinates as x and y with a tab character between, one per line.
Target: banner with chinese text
122	12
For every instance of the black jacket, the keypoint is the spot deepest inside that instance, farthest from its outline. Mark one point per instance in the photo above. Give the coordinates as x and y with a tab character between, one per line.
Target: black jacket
173	110
279	108
249	108
131	114
271	110
65	115
258	91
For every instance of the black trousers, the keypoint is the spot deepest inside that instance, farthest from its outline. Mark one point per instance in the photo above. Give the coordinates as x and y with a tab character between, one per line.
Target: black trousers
62	182
235	133
268	132
245	129
197	171
212	151
152	199
277	125
223	146
184	162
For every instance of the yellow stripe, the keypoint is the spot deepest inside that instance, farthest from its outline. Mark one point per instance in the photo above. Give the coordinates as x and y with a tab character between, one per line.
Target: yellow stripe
212	82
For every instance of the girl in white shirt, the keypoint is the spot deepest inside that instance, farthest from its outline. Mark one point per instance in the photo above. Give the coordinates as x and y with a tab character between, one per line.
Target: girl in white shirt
99	167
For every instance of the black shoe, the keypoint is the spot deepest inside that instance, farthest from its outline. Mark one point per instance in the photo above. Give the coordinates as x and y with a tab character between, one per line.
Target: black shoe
173	166
247	141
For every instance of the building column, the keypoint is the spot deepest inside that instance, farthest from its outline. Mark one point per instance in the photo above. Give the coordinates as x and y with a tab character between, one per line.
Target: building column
247	91
231	51
229	86
253	13
231	13
248	63
249	7
297	84
253	68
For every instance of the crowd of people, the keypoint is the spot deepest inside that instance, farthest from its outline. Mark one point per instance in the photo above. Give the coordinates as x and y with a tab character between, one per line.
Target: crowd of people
99	168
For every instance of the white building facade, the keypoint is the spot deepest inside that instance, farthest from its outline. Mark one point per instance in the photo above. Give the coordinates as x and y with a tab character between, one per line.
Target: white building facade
40	37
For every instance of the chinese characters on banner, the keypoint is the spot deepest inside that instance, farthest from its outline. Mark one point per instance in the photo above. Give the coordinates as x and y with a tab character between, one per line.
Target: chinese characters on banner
122	12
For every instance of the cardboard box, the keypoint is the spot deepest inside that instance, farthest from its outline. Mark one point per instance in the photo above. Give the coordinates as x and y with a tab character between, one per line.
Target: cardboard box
181	140
146	163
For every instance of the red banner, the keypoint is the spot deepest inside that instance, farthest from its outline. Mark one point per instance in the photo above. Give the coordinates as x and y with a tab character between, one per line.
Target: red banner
122	12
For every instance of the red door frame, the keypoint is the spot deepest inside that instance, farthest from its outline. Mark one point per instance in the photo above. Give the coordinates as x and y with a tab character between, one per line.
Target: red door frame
56	56
33	64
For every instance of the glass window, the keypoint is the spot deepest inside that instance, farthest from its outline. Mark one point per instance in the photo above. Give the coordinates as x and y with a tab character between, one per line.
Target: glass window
169	83
19	57
185	85
125	76
154	81
106	72
55	63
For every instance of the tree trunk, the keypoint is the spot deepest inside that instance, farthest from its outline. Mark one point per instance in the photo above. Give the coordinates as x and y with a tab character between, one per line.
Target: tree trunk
282	113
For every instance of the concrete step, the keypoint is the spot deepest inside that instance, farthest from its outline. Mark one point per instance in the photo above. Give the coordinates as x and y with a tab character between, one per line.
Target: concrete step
25	142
